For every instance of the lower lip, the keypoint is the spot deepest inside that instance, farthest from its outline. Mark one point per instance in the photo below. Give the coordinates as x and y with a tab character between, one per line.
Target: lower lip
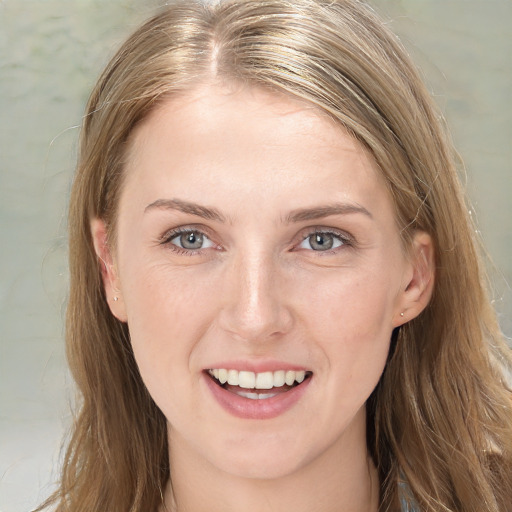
262	409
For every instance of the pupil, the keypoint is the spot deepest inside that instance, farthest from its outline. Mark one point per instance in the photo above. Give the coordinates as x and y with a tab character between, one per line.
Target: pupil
191	240
321	241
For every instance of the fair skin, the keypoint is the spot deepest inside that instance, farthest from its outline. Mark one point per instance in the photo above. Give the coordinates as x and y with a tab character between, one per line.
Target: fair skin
255	235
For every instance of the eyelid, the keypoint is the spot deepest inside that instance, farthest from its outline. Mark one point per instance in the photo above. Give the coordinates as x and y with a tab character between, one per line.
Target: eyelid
178	230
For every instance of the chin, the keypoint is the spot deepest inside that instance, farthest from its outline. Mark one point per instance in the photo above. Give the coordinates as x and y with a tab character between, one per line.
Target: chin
264	457
273	467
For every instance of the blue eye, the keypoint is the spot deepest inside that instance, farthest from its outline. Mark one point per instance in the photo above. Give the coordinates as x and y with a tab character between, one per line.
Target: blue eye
191	240
322	241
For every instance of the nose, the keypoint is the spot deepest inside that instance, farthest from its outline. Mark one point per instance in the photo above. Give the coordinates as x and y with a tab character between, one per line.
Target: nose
254	305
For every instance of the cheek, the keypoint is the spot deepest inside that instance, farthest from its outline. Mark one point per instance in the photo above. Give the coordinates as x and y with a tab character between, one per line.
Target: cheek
349	304
351	319
166	317
168	302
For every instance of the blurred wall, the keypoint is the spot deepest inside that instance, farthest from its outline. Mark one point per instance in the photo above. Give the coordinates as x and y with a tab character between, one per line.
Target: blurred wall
51	51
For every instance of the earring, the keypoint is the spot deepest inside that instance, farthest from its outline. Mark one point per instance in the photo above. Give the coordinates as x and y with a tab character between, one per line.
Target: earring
117	298
401	314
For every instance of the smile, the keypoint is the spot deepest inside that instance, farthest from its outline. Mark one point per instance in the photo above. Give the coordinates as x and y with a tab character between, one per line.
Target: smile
258	386
264	380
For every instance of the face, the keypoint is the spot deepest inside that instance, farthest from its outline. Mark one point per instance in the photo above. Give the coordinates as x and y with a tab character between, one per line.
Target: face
257	243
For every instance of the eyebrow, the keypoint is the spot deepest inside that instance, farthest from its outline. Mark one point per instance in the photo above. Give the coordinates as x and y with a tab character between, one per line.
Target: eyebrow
186	207
299	215
319	212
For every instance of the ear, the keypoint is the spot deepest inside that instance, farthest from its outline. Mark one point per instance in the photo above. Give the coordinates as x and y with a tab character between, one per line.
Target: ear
418	285
109	273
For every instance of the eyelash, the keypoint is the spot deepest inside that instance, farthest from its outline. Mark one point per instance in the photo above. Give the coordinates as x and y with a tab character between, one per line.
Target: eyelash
343	237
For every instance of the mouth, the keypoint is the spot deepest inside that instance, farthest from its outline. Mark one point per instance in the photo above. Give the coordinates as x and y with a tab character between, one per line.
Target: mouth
258	386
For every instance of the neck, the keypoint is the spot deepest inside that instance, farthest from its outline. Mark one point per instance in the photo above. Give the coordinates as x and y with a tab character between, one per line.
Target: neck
343	479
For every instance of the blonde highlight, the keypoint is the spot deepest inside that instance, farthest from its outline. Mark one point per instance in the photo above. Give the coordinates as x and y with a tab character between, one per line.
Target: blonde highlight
440	419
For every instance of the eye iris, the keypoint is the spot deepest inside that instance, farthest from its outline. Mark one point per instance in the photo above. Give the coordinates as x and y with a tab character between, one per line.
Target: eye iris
191	240
321	241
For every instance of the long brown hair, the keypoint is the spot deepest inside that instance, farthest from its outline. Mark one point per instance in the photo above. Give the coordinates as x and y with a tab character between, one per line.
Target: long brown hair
440	420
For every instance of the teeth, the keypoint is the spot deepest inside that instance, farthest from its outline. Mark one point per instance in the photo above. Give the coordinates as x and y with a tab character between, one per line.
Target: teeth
246	380
279	379
232	377
223	376
289	377
256	396
300	376
264	380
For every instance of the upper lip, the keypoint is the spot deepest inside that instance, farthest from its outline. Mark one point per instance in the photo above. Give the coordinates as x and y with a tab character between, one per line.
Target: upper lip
257	366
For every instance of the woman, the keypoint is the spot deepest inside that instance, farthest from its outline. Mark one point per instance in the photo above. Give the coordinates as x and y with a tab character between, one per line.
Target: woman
275	295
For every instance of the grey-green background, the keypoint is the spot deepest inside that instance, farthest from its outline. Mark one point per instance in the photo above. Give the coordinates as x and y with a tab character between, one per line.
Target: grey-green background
51	51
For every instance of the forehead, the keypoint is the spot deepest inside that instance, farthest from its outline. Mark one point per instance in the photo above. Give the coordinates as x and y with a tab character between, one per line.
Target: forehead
246	136
261	111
